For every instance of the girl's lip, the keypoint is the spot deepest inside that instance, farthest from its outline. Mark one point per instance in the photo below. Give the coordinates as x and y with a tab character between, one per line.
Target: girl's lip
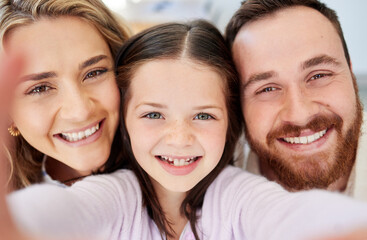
179	170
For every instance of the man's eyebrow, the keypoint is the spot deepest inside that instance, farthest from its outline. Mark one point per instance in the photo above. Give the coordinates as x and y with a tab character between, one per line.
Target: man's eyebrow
321	59
92	61
38	76
259	77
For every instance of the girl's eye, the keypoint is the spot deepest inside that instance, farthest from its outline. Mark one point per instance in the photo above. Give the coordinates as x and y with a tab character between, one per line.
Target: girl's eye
203	116
154	115
267	89
95	73
39	89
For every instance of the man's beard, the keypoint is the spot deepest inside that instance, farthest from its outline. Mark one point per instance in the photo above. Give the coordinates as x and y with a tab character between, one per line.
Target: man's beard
319	170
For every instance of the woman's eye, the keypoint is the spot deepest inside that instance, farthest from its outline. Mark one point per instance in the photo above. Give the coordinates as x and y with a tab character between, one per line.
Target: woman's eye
203	116
39	89
154	115
95	73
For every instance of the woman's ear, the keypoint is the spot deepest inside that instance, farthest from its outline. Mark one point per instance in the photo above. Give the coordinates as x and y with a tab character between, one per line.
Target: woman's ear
13	130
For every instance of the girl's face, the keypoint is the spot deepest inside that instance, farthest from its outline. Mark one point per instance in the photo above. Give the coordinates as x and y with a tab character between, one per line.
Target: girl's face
67	103
177	121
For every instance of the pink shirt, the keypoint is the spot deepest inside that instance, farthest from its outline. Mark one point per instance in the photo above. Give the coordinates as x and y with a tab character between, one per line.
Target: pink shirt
237	205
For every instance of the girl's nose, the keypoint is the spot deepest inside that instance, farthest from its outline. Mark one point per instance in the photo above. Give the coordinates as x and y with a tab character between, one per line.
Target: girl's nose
179	134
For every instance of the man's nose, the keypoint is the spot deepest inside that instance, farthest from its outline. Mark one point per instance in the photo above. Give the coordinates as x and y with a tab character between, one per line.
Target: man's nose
299	107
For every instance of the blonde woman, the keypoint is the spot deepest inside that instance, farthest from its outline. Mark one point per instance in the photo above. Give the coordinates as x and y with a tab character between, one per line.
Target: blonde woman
66	108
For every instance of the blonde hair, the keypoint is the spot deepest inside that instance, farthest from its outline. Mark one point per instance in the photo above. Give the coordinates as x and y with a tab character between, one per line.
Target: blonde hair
26	161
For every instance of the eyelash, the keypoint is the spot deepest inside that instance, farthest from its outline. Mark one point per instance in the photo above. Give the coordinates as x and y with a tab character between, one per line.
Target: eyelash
95	73
265	90
39	89
206	114
157	114
320	75
44	88
149	115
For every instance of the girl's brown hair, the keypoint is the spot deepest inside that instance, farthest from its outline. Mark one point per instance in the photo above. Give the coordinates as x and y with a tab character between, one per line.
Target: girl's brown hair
25	160
198	41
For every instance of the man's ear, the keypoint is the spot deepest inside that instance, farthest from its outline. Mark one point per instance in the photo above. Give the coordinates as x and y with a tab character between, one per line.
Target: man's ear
351	65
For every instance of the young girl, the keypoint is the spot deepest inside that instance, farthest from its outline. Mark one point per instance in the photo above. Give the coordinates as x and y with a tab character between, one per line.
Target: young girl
65	112
181	120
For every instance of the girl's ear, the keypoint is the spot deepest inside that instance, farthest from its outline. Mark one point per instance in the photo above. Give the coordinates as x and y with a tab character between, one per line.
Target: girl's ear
351	65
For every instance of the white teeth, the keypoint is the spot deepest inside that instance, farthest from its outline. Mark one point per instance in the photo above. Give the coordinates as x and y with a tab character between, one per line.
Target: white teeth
178	162
76	136
305	139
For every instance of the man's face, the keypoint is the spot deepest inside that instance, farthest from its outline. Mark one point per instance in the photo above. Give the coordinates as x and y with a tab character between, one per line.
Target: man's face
301	108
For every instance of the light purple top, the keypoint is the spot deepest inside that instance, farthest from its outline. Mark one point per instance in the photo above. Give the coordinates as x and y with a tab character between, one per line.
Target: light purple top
237	205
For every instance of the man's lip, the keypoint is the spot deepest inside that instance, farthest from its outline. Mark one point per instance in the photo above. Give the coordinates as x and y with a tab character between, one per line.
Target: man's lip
309	147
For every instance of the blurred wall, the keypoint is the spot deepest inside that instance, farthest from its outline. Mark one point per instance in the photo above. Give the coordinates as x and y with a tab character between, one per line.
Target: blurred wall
352	15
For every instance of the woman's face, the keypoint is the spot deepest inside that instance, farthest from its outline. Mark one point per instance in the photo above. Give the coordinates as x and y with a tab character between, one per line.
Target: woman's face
67	102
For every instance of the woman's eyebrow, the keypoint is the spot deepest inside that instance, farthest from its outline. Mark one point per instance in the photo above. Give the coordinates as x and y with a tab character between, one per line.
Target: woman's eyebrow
38	76
91	61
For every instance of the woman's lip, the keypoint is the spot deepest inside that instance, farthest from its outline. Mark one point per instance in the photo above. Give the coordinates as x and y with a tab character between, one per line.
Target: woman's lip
92	138
83	128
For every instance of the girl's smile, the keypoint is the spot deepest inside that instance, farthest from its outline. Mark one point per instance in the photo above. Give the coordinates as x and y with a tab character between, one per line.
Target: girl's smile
179	165
177	121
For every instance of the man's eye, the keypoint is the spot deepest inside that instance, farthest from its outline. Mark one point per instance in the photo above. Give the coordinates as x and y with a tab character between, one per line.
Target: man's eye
154	115
267	89
317	76
203	116
95	73
39	89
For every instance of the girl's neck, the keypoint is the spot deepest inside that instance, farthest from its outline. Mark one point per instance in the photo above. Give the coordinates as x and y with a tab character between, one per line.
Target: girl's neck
171	204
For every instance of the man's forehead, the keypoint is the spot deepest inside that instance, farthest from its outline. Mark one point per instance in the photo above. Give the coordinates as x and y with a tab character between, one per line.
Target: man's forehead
286	33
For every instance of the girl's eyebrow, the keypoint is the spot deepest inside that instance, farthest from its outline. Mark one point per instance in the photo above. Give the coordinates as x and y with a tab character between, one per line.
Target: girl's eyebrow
208	107
157	105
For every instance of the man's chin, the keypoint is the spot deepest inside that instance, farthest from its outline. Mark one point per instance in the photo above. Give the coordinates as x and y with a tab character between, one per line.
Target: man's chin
300	171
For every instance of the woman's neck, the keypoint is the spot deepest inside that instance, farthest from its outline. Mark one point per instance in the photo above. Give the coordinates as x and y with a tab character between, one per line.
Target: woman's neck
171	204
61	172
